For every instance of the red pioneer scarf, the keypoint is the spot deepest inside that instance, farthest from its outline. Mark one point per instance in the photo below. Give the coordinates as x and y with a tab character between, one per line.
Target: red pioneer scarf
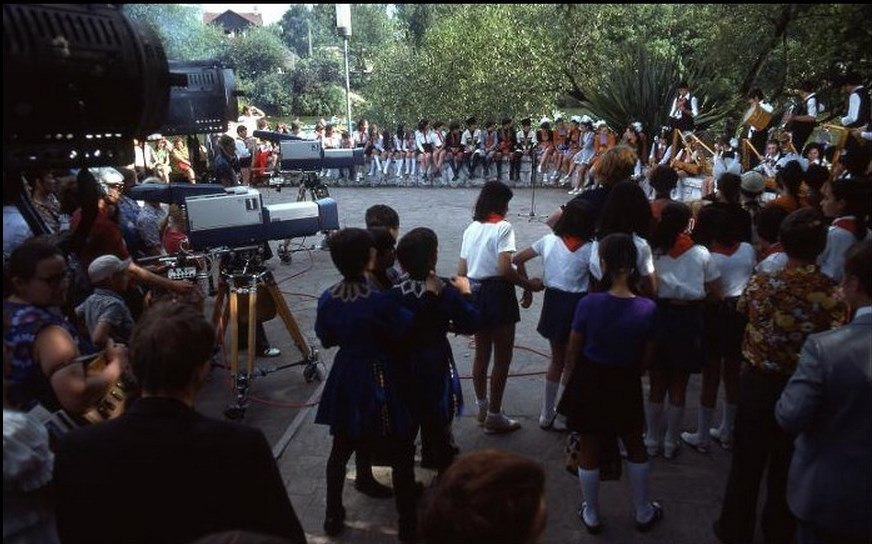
572	242
494	218
681	245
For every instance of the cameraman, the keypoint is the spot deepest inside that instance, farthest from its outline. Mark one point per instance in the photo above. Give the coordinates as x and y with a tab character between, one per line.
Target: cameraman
105	238
226	164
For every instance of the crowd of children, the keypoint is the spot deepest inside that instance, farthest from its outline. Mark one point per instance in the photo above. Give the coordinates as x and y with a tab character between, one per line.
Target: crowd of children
631	286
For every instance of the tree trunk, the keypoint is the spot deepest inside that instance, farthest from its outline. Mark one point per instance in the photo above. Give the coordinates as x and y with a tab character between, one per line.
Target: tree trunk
575	92
789	12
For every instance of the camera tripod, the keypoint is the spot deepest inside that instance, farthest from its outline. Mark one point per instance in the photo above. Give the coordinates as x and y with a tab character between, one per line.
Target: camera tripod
312	183
226	309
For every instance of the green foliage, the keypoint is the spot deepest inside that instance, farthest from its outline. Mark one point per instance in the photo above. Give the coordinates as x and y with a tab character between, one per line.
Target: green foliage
484	60
256	53
294	26
642	87
181	30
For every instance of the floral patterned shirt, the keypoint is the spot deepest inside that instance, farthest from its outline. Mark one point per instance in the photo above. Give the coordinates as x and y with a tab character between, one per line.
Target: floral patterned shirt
783	308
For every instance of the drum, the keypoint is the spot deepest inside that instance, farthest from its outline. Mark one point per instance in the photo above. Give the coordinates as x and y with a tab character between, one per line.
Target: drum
757	117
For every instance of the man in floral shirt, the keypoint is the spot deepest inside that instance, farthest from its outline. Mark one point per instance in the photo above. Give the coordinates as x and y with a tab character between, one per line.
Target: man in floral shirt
783	308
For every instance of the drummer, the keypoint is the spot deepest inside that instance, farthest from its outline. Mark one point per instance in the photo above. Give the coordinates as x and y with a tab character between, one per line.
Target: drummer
759	119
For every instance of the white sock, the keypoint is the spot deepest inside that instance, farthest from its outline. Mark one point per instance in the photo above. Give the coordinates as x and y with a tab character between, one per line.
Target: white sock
414	166
638	474
372	167
729	421
590	482
377	161
704	421
387	165
674	415
548	399
653	414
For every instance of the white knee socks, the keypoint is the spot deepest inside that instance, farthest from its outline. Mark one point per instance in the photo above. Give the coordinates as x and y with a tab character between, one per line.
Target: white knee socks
548	401
653	415
590	481
728	423
704	421
674	415
638	475
387	165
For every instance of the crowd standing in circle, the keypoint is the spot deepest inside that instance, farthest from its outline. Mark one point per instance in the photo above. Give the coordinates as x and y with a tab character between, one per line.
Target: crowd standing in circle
772	297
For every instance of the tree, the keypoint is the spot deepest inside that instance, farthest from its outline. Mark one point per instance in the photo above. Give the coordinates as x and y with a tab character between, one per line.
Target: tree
294	26
257	52
484	60
181	29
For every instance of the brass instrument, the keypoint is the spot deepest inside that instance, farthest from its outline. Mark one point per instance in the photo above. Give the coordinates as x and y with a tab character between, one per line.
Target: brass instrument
789	111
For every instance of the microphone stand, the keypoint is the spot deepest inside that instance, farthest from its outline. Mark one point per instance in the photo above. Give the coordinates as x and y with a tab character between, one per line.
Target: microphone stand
532	216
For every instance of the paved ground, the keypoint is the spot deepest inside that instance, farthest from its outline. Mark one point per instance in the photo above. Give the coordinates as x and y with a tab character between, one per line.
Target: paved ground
689	487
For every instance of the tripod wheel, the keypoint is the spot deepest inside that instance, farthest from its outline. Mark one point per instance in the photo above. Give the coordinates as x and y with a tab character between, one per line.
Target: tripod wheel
315	369
234	412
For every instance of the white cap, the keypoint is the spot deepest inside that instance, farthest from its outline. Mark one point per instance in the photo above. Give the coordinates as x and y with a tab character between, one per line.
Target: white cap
544	120
575	119
104	267
637	125
586	119
599	124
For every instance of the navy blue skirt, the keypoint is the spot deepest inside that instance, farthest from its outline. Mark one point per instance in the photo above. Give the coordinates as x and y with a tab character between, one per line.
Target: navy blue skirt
603	398
724	330
679	333
558	309
496	300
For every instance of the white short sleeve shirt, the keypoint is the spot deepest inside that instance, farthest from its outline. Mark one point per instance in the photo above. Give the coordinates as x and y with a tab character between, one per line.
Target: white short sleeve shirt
482	243
564	269
736	269
684	278
644	258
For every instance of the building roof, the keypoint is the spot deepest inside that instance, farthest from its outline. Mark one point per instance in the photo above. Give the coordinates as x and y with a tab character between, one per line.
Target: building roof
253	18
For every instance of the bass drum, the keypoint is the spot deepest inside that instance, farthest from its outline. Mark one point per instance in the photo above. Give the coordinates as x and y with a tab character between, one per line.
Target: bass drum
757	117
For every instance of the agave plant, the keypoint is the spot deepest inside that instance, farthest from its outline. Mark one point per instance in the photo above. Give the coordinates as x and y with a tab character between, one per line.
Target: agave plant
641	88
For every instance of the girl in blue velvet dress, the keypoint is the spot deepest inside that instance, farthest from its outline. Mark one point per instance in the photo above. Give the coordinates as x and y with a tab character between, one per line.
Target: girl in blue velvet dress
439	307
361	399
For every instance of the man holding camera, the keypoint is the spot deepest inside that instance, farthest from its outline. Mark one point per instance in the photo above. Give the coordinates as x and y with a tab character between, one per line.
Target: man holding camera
162	472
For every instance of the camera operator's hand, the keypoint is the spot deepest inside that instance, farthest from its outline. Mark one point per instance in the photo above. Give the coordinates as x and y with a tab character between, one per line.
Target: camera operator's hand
182	287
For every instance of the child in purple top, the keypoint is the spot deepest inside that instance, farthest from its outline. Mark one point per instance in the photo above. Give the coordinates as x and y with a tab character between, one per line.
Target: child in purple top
609	346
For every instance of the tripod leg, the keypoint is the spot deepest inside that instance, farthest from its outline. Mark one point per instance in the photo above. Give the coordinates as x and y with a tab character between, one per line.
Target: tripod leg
288	318
219	312
234	332
252	321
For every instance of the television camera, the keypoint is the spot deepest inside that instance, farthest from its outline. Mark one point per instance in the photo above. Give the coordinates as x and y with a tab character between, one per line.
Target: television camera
308	158
112	83
228	229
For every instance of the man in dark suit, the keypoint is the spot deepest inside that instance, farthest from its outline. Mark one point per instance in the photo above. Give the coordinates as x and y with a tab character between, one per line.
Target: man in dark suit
162	473
828	403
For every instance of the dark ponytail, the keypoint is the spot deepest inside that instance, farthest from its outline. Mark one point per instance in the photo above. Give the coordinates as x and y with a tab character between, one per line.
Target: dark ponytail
673	221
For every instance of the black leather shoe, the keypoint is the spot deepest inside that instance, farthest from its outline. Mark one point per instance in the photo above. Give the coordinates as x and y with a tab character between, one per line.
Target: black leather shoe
648	525
592	529
372	488
334	523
